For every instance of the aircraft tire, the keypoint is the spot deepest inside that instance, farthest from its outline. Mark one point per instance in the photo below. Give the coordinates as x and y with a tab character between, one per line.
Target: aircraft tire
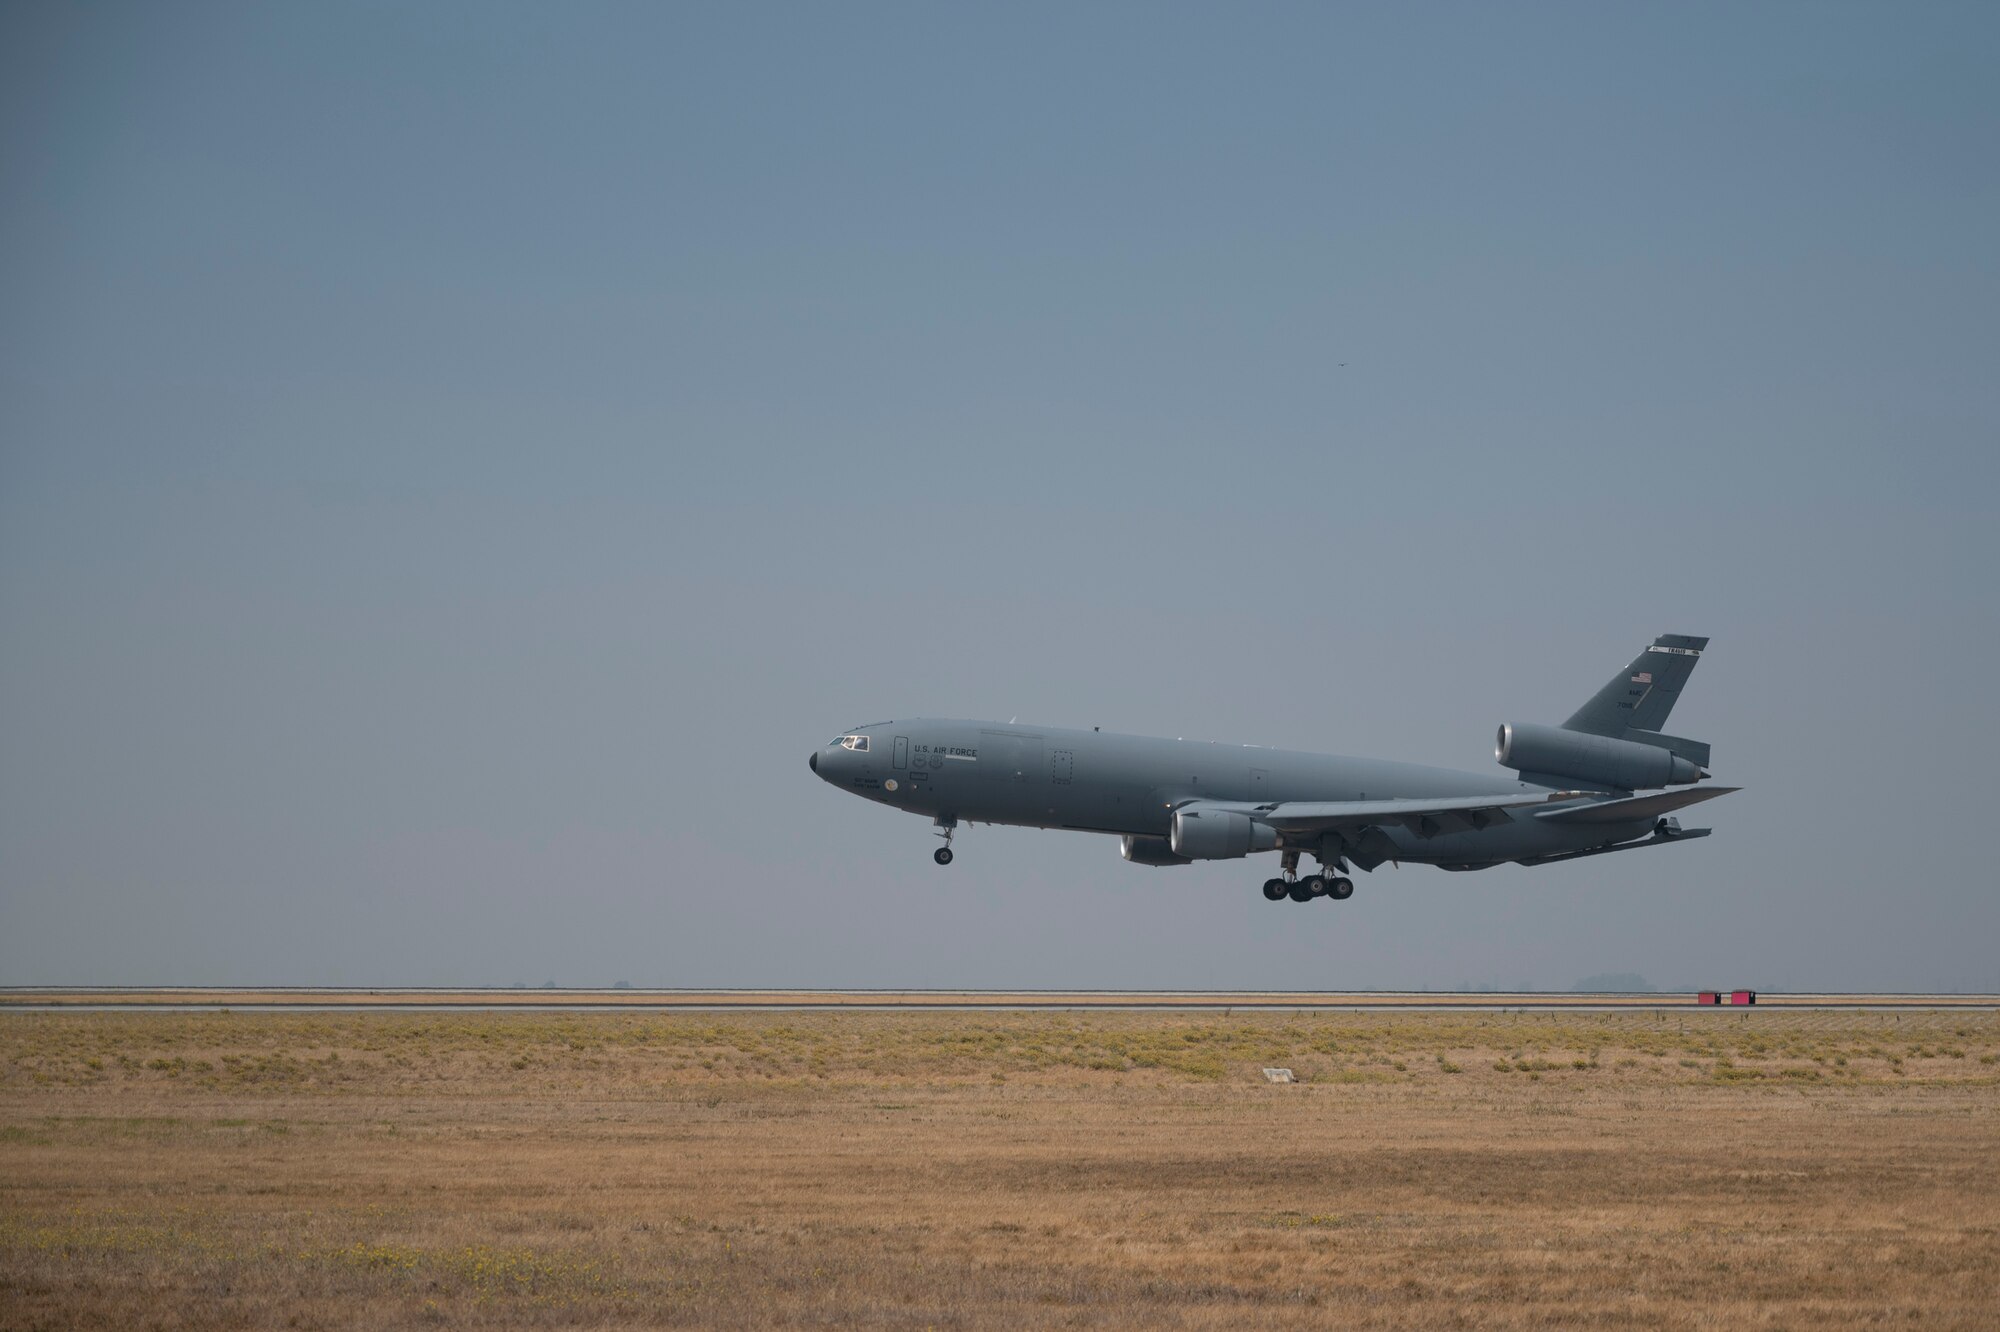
1300	892
1274	890
942	855
1340	889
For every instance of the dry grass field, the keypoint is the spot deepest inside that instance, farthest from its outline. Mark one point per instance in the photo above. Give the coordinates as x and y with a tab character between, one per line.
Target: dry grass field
607	1170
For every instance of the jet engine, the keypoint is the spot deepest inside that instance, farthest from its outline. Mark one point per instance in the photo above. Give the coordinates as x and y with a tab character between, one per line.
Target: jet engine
1549	751
1218	834
1149	851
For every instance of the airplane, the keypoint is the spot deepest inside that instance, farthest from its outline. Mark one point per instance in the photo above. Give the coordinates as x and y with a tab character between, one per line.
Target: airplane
1603	781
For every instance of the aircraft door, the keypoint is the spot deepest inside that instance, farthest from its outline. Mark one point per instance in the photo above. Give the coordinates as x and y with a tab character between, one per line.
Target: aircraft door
1259	785
902	759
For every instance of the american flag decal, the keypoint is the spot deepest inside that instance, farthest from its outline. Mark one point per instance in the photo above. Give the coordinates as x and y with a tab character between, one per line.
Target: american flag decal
1643	677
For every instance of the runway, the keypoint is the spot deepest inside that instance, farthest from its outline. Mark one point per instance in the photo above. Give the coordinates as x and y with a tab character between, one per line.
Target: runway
30	999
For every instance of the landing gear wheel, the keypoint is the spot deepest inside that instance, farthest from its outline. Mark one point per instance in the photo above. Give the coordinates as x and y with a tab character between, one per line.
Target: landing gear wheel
942	855
1300	892
1340	889
1274	890
1315	884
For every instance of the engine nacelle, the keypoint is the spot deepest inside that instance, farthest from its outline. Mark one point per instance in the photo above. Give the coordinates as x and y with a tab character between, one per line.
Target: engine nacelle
1150	851
1219	834
1554	752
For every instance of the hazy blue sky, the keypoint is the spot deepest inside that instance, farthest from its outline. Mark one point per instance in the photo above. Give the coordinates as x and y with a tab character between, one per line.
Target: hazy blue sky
457	460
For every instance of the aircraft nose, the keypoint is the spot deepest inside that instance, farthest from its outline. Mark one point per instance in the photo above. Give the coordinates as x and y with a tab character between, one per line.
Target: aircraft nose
813	762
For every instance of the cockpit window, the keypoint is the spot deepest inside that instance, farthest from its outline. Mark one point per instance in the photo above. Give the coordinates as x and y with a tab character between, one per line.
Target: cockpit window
855	742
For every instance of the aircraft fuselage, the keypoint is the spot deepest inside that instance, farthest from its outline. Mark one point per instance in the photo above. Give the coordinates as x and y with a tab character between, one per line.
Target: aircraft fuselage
1092	781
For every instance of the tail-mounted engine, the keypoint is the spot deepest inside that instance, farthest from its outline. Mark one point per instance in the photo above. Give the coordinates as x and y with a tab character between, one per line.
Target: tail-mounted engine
1549	751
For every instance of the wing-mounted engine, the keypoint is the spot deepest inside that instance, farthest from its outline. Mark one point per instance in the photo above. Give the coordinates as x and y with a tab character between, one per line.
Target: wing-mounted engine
1540	752
1203	832
1149	851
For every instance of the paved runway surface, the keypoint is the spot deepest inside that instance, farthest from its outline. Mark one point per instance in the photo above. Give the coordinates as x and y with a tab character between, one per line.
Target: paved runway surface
309	999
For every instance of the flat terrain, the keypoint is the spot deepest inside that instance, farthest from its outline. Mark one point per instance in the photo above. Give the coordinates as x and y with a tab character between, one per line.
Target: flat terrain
368	1168
345	997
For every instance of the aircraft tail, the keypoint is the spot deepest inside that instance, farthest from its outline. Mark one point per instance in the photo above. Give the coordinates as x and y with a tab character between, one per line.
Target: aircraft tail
1639	697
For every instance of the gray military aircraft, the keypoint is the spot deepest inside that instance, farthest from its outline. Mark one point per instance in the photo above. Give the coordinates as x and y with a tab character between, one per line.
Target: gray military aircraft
1173	802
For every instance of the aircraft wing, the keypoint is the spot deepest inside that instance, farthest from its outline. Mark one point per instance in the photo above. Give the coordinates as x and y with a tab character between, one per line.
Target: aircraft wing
1634	807
1426	818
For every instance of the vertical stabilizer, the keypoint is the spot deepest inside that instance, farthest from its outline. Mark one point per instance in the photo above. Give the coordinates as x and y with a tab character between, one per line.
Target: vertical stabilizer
1640	696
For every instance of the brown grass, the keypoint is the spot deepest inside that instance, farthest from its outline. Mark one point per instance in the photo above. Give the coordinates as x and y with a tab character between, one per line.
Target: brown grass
1745	1169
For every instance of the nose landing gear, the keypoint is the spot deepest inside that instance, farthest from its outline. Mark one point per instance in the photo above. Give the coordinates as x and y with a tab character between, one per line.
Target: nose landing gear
949	824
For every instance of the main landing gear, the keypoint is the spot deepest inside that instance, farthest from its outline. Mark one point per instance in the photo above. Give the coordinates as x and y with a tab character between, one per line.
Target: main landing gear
1337	886
949	825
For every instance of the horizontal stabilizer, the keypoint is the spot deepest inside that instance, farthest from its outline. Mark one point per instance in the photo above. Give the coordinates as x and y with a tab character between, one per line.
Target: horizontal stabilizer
1425	817
1657	839
1634	807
